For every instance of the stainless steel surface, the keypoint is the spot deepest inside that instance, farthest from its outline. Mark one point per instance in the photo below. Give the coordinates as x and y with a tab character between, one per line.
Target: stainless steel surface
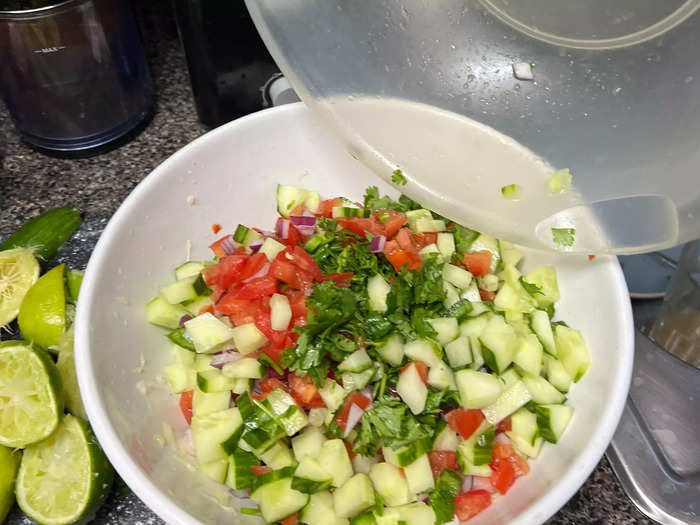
656	451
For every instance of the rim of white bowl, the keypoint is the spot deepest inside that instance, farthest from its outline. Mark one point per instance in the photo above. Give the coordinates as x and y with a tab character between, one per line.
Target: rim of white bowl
164	506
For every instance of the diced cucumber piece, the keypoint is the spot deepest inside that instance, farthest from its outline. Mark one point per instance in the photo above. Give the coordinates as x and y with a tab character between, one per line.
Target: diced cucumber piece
431	249
278	499
573	352
202	362
180	377
355	496
339	212
178	337
332	394
244	368
271	248
312	201
488	282
362	463
285	410
206	403
477	389
474	470
509	253
545	278
542	391
188	269
216	434
161	313
488	243
408	453
552	420
356	362
414	215
524	448
459	352
185	289
524	424
276	457
357	381
509	299
240	476
182	356
412	390
248	338
423	350
560	181
528	356
215	470
388	516
556	374
477	355
430	225
417	513
456	276
310	476
391	350
308	443
539	321
474	326
389	483
241	386
472	294
244	235
289	197
451	294
498	344
446	440
334	458
195	306
213	380
446	244
509	377
446	327
280	312
318	416
477	449
320	511
441	377
207	333
377	291
512	398
419	475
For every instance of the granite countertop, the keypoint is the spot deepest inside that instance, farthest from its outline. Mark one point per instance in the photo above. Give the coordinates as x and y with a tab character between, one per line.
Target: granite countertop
31	182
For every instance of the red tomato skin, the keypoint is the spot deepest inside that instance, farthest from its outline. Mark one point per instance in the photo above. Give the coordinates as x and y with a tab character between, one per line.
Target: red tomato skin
186	405
503	475
361	225
400	257
340	279
465	422
422	240
353	399
252	266
325	209
225	272
440	460
504	425
478	263
392	221
421	368
255	288
469	504
304	392
259	470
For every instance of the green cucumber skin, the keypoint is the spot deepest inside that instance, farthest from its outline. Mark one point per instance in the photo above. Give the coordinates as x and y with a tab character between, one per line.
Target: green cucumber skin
46	233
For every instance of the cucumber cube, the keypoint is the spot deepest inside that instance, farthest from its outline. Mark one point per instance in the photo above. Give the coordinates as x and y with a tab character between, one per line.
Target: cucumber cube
412	390
210	431
215	470
423	350
456	276
391	350
459	352
419	475
278	456
334	458
446	327
320	511
417	513
512	398
477	389
161	313
552	420
358	361
248	338
389	483
271	248
207	333
441	377
308	443
355	496
278	499
446	244
245	368
573	352
377	291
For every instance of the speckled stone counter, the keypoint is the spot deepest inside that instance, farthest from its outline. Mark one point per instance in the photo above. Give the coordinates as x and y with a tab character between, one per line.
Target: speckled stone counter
31	182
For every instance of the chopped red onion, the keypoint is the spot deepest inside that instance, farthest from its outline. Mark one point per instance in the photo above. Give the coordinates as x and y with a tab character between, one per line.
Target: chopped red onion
184	319
377	243
501	439
467	482
482	483
256	245
229	245
283	228
303	220
224	357
262	272
354	417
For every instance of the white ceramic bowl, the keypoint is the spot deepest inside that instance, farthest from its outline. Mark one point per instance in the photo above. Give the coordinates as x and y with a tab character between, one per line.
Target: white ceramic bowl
232	173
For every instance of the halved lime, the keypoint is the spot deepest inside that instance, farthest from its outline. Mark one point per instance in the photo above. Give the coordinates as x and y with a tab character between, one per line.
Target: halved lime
9	462
30	394
66	367
66	477
42	315
19	270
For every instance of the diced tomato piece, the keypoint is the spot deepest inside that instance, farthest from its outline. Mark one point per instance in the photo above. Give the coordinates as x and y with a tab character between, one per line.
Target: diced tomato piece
252	266
290	520
262	323
504	452
471	503
355	398
478	263
424	239
240	311
294	236
392	221
340	279
304	392
216	246
268	384
259	470
465	421
504	425
225	272
325	209
215	228
291	274
255	288
186	405
486	295
591	257
273	352
297	302
399	258
301	258
421	368
440	460
391	247
206	310
405	240
297	211
361	225
502	475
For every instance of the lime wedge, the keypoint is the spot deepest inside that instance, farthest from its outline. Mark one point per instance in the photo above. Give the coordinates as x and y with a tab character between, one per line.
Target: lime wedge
66	477
66	367
30	394
42	315
19	270
9	461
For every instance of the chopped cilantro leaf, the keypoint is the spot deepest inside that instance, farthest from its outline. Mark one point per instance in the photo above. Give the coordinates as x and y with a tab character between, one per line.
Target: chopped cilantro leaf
397	177
563	236
530	288
464	238
327	224
447	488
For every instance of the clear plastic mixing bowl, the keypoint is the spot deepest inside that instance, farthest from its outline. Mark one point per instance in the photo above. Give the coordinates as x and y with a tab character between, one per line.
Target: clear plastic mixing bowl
429	88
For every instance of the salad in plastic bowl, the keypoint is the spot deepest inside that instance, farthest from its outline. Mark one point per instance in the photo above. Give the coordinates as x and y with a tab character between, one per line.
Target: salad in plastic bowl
372	396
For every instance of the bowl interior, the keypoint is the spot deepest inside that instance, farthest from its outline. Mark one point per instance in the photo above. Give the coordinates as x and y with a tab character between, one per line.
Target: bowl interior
229	176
